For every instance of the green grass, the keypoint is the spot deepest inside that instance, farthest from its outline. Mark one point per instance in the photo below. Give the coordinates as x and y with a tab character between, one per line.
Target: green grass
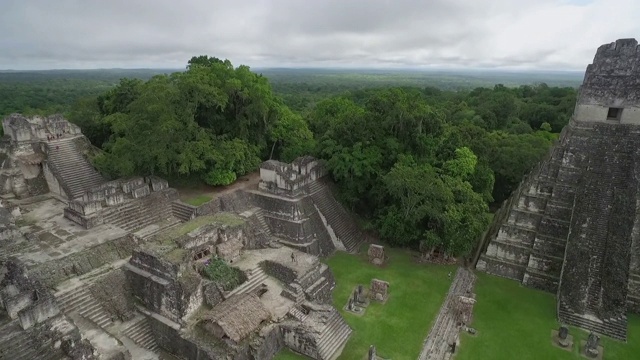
198	200
396	328
515	322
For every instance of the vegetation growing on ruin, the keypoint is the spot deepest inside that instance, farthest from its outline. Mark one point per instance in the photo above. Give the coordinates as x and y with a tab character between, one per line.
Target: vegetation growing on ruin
221	218
198	200
229	277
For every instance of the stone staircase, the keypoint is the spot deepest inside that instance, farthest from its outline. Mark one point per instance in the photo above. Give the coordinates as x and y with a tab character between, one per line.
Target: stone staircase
255	278
597	203
138	213
81	301
338	218
262	222
314	187
298	314
139	331
17	344
73	171
294	292
615	327
333	337
182	211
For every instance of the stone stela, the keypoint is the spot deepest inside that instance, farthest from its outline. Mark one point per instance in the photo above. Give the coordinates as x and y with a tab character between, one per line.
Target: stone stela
376	254
591	349
379	290
358	301
562	339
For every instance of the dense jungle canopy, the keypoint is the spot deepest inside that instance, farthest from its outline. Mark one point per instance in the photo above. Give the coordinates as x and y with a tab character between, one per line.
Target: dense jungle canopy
419	165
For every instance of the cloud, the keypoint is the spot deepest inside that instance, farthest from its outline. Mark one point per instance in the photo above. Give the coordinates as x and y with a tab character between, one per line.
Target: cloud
540	34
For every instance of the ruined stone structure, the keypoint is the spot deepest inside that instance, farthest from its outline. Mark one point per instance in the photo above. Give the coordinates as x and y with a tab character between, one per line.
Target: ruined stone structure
97	269
444	335
298	207
123	202
45	154
573	225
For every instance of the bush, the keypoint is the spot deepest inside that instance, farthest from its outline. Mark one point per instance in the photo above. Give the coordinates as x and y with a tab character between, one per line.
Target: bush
229	277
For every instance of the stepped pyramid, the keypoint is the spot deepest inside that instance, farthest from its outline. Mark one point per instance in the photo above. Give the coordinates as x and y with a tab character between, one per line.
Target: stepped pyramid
573	225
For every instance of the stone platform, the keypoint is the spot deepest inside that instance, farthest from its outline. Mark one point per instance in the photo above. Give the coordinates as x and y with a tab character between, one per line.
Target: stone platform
51	236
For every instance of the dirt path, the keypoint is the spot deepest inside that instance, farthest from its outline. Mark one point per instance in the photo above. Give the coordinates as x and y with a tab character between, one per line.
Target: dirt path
247	181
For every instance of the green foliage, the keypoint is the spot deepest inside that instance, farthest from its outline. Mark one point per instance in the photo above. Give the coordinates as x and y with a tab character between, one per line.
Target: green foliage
422	166
229	277
219	177
198	200
213	121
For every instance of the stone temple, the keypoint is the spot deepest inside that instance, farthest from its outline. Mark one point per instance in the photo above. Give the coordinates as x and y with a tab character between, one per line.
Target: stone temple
573	226
118	269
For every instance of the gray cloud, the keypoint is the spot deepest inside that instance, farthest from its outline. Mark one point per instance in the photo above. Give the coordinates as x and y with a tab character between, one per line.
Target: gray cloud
544	34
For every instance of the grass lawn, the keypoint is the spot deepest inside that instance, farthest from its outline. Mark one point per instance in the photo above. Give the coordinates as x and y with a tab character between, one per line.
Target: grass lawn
515	322
397	328
198	200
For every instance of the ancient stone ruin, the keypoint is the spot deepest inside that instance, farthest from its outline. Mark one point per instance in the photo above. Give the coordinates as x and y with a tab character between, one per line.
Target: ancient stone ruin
379	290
376	254
592	349
43	155
562	338
122	269
572	227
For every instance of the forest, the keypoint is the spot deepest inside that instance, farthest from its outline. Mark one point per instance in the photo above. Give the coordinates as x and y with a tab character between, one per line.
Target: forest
421	165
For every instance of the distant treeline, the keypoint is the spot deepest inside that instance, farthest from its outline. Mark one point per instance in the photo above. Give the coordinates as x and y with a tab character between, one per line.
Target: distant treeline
420	165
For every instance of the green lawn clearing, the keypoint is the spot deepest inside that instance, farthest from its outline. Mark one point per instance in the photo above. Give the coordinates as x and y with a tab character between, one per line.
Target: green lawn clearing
515	322
396	328
198	200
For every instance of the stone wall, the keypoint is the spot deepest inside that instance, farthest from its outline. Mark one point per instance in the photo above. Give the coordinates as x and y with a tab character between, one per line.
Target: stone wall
196	345
290	179
298	338
235	202
56	271
279	271
114	294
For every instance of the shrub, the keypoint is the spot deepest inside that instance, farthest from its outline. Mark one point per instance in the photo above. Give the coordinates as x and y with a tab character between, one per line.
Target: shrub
229	277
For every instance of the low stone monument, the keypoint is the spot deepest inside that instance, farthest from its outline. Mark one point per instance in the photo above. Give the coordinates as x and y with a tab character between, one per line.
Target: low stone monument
379	290
592	348
372	353
358	301
376	254
561	338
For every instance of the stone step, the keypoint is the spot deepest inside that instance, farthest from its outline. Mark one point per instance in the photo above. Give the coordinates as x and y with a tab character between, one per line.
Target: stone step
615	329
140	333
333	337
298	314
252	283
71	168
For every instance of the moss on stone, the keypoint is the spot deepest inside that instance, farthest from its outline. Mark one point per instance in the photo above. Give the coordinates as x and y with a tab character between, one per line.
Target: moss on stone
224	219
176	255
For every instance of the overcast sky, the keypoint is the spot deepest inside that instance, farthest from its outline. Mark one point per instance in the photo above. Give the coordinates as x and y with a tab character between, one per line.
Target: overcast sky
531	34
